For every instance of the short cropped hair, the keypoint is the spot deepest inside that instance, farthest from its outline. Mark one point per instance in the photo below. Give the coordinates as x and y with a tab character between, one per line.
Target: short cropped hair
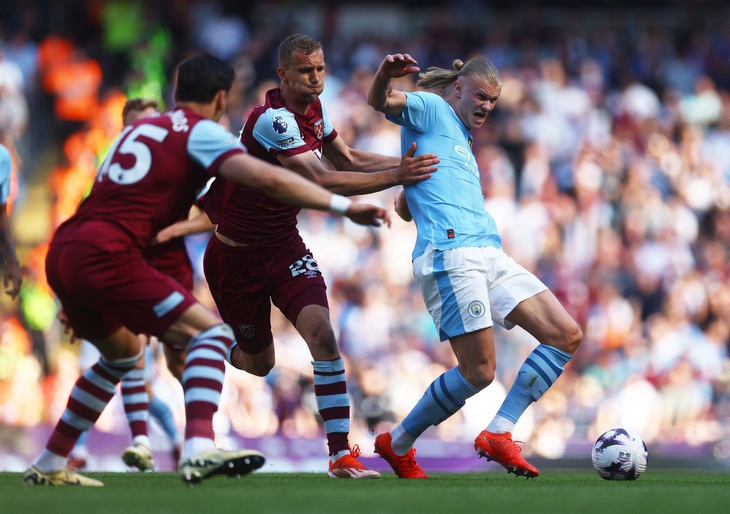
200	77
296	43
139	104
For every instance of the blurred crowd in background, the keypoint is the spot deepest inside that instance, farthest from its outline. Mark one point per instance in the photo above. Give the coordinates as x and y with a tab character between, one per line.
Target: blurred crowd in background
606	165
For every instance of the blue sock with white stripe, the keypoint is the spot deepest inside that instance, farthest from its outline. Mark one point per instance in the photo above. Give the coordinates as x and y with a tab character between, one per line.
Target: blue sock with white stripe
539	371
446	395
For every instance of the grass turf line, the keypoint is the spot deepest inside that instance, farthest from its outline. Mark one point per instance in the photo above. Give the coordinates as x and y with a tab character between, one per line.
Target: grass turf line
560	492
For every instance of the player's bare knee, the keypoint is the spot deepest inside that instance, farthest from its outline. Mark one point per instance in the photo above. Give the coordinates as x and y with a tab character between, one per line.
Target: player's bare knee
573	338
323	344
479	376
322	333
576	337
259	364
566	338
259	369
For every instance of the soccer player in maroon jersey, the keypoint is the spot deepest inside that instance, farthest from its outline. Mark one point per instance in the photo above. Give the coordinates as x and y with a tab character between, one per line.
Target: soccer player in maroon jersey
171	259
109	291
257	256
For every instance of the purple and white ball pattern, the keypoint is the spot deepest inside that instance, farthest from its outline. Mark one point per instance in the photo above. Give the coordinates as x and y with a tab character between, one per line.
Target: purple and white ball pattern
620	455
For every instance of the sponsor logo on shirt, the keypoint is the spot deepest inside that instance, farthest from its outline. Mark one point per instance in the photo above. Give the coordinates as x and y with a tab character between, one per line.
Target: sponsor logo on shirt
280	125
285	142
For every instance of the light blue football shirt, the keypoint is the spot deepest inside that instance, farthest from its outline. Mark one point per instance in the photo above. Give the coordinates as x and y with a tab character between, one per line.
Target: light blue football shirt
448	208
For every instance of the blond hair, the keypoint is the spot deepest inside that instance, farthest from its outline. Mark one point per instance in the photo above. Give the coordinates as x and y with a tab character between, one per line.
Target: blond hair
438	79
139	104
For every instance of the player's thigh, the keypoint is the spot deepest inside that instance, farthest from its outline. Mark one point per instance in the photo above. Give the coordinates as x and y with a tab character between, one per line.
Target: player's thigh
454	290
172	259
101	291
122	344
545	318
297	283
510	284
63	268
239	280
193	320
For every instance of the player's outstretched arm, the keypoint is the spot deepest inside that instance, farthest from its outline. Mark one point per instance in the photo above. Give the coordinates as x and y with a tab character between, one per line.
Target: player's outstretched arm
193	225
409	170
367	214
289	187
406	171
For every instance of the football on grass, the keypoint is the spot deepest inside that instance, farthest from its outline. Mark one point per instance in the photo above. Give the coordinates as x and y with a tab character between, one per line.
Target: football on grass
620	454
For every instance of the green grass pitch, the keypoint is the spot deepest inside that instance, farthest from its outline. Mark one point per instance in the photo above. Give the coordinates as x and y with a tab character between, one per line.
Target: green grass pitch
559	492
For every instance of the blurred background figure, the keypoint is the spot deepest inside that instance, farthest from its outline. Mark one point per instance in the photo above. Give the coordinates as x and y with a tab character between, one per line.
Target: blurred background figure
11	275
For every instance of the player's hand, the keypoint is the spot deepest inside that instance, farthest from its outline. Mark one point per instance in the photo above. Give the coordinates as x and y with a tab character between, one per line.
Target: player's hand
165	235
401	207
415	169
398	65
368	214
12	279
66	326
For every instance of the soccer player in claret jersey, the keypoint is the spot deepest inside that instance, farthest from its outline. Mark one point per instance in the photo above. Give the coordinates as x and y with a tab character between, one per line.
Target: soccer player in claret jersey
110	292
467	281
170	258
257	256
139	403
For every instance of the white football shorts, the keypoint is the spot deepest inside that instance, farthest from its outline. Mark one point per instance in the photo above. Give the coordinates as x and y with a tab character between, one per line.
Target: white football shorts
468	289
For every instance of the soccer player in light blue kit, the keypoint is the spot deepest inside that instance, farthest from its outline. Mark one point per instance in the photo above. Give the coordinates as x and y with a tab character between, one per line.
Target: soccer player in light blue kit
11	276
468	282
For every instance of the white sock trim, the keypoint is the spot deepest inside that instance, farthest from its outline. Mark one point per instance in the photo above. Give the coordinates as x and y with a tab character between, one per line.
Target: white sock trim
500	425
401	441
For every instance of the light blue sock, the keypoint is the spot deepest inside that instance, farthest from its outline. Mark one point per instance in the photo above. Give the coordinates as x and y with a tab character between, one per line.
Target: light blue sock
162	413
446	395
81	441
539	371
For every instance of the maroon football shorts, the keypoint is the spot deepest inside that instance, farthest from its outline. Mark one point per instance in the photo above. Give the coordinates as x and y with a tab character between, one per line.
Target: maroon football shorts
172	259
244	281
102	291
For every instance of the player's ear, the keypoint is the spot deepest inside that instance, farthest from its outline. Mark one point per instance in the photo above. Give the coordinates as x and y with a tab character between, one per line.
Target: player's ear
220	103
281	72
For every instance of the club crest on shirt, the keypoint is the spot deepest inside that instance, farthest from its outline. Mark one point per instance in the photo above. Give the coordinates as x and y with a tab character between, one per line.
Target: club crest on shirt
476	309
280	125
319	129
247	330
